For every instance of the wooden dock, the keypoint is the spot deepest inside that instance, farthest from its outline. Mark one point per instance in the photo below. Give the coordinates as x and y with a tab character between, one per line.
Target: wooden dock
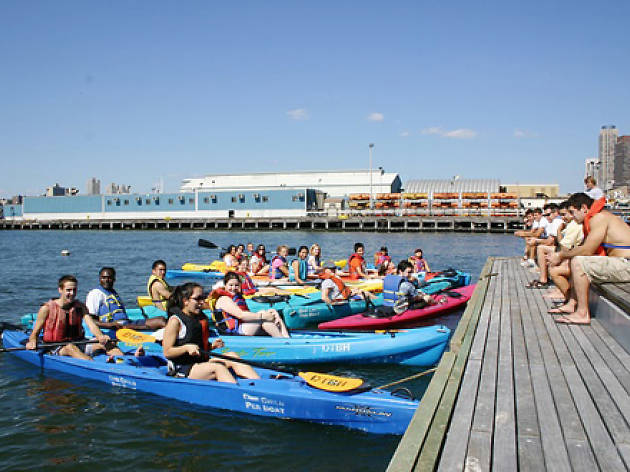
519	392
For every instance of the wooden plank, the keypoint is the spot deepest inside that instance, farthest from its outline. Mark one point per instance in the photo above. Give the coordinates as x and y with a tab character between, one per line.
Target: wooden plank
552	390
453	456
620	370
435	438
596	419
504	447
616	293
406	453
613	345
483	419
479	455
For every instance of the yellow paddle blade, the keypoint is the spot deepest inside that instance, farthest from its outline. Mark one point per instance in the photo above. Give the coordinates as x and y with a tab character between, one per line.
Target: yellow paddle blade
144	300
130	336
332	383
341	263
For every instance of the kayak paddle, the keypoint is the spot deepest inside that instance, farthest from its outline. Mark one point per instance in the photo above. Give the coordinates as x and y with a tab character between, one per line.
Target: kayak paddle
330	383
47	345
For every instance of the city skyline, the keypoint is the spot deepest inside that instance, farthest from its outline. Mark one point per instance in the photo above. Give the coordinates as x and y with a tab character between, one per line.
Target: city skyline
139	92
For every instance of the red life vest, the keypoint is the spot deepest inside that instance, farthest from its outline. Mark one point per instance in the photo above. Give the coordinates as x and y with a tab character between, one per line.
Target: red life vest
354	275
63	325
247	286
345	291
382	257
596	207
224	321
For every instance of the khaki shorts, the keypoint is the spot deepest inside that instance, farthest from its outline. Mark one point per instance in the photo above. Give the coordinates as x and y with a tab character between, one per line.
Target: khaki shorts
605	269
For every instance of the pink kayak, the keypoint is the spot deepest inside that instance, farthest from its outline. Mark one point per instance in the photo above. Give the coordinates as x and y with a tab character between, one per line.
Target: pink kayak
364	321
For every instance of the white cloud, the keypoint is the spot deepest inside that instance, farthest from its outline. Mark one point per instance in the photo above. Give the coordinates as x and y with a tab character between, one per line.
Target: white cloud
298	114
432	130
404	134
376	117
520	133
460	133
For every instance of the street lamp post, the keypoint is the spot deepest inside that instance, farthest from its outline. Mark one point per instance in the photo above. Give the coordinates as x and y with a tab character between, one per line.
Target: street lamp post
371	146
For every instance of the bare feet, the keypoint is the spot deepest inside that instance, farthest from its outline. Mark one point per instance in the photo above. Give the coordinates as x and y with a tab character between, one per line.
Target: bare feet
565	309
574	319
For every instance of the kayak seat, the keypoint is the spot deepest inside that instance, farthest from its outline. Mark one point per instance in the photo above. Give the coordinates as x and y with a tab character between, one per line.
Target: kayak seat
271	299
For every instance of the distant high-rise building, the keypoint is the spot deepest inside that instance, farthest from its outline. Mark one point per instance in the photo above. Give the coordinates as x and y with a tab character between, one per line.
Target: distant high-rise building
591	168
115	188
622	161
607	141
55	191
93	186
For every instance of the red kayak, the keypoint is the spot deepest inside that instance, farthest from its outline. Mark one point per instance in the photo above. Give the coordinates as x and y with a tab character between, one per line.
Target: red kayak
365	321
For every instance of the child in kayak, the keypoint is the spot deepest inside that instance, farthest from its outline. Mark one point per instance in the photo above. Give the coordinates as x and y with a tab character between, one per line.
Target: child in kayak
232	315
419	262
187	334
298	271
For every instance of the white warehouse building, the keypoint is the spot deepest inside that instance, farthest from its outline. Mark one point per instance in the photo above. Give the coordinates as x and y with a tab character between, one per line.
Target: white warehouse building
337	183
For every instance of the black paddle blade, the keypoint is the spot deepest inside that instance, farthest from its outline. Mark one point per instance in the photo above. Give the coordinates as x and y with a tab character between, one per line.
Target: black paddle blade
206	243
6	326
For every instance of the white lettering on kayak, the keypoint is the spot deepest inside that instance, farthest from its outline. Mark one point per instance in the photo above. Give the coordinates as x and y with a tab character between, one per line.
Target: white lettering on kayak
268	405
343	347
117	381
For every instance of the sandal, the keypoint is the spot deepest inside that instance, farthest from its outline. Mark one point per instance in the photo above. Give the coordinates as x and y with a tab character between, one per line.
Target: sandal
538	284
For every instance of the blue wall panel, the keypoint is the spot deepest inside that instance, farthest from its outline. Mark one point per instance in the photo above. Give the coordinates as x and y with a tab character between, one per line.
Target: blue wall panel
258	200
150	202
76	204
11	210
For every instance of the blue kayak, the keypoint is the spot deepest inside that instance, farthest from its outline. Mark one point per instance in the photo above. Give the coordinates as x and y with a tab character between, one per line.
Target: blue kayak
289	397
422	347
304	311
177	274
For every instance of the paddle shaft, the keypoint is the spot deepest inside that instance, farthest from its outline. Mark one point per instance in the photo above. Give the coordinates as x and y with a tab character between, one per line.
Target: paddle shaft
46	345
250	363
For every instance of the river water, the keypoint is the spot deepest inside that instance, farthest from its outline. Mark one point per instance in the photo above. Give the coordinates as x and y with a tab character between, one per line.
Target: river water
72	424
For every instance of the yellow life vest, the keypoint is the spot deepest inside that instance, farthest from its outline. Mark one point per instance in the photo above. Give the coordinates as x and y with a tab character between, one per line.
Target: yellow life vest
162	299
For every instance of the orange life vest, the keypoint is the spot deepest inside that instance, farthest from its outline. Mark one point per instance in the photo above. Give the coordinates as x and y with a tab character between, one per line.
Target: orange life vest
354	275
596	207
345	291
63	325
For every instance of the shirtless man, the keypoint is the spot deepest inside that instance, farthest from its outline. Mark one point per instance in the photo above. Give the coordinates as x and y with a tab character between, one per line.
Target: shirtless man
61	319
601	229
158	289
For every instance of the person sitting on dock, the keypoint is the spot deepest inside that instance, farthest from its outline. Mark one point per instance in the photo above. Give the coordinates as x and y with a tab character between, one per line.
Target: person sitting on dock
547	244
105	304
592	190
528	220
186	341
232	316
605	234
334	291
534	232
62	320
298	271
356	263
279	268
571	236
158	289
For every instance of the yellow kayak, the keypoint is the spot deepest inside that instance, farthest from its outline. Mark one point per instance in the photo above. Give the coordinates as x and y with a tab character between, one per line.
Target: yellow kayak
370	285
218	266
145	300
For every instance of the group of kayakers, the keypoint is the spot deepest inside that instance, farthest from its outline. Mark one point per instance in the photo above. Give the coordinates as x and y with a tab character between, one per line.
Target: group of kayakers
186	340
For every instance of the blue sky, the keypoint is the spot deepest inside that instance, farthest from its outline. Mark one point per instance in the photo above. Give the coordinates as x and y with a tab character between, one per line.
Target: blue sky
135	91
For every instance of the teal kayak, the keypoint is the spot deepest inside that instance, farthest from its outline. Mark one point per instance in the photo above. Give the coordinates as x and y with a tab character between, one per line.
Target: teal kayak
422	347
304	311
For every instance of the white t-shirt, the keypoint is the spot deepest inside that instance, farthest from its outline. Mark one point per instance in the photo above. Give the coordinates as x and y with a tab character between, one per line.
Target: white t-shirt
334	292
544	224
595	193
552	228
95	298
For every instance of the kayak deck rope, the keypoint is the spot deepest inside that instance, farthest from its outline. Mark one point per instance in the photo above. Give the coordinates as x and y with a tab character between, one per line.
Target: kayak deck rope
407	379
